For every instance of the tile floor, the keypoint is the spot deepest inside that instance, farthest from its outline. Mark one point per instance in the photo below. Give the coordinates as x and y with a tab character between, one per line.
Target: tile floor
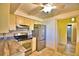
47	52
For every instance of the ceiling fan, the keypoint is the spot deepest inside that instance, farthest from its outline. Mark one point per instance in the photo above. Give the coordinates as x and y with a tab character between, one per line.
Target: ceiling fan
48	7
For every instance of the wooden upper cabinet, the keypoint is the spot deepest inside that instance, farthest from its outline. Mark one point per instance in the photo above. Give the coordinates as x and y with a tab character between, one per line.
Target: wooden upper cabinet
19	20
12	22
4	18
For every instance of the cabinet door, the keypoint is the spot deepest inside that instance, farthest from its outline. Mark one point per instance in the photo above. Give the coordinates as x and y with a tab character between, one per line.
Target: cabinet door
20	20
4	17
12	22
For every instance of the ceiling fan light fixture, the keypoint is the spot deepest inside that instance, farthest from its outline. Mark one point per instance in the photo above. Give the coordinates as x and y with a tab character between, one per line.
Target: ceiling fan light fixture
48	8
54	7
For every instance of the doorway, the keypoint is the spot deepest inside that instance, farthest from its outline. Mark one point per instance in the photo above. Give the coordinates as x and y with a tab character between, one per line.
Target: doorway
71	39
69	33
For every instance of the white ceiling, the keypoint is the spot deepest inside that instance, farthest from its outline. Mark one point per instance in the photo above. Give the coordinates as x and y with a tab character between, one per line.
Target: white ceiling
33	10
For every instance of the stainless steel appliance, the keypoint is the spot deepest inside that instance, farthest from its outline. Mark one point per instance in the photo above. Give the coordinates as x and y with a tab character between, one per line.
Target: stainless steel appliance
22	32
40	34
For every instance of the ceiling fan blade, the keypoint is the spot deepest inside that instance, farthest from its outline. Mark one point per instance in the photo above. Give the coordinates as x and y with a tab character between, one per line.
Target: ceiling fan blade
58	5
36	10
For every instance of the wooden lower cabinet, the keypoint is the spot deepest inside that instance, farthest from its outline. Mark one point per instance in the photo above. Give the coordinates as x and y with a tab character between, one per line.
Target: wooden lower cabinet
27	44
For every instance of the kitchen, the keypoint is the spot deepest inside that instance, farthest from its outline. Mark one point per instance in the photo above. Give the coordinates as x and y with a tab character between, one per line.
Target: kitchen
18	30
39	29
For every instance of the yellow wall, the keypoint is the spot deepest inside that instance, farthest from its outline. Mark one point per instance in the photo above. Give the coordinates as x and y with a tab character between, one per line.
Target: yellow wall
77	28
62	29
77	44
62	32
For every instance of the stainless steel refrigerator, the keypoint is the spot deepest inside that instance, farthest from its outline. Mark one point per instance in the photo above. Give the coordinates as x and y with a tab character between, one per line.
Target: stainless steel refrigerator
40	34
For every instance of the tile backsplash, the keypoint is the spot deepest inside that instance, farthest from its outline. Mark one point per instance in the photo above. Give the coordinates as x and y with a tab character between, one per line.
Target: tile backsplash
6	36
